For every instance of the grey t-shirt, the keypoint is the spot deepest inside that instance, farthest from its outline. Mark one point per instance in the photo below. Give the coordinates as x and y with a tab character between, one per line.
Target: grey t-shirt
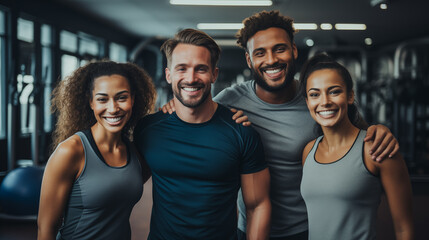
285	129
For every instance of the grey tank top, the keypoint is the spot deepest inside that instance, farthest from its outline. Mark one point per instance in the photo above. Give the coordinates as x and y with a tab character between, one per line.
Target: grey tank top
102	197
342	197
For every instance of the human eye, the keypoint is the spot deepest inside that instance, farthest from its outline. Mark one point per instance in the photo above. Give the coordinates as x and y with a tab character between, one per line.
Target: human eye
123	97
180	69
202	69
101	99
280	49
335	91
313	94
258	53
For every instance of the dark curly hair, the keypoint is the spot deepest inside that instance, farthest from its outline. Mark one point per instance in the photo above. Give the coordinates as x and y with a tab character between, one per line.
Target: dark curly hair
262	21
71	97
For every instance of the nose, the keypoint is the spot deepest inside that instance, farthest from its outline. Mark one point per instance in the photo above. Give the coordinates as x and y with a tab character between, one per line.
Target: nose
112	106
325	99
191	76
271	58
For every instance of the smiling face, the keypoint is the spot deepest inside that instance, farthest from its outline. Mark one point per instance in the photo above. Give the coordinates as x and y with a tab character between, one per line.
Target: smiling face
191	74
112	102
327	97
271	57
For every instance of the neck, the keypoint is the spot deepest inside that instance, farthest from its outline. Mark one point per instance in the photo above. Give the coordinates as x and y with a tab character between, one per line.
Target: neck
200	114
340	135
280	96
105	138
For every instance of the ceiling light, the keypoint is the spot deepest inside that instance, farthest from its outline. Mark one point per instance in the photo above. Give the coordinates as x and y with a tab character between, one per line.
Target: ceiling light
350	26
236	26
309	42
305	26
222	2
368	41
220	26
226	42
383	6
326	26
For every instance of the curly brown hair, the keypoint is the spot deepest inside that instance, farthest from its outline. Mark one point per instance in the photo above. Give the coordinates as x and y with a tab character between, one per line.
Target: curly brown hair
71	97
261	21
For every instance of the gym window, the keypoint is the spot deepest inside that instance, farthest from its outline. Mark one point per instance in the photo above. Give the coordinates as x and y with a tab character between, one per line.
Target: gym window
2	77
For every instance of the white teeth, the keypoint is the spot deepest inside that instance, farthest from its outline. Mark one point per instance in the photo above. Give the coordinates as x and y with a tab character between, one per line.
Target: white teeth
272	71
188	89
113	120
325	113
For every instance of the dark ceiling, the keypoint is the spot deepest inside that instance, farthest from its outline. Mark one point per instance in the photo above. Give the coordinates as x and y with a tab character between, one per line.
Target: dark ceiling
402	20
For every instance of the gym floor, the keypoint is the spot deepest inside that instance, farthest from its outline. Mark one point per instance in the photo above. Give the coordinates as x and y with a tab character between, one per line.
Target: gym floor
140	218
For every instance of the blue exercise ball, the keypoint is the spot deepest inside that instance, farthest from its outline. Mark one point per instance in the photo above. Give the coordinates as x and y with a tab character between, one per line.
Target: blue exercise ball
20	191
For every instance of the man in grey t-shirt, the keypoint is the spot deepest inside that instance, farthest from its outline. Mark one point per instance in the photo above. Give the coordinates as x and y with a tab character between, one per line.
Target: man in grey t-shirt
280	115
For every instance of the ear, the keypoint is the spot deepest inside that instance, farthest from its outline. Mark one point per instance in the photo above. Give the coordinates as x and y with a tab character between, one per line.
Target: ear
351	97
295	51
248	60
215	74
167	75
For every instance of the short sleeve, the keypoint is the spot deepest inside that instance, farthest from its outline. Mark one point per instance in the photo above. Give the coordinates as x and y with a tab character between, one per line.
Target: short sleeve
253	152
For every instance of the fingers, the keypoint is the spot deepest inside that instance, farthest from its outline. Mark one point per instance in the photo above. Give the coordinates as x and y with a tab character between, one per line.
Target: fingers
237	113
378	139
239	117
169	107
395	149
369	133
387	151
242	119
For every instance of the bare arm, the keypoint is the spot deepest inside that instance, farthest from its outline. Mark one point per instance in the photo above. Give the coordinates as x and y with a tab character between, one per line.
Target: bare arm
62	169
384	143
396	183
307	150
255	188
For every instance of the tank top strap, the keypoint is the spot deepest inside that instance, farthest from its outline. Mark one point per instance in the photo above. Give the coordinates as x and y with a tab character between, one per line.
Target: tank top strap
310	155
357	148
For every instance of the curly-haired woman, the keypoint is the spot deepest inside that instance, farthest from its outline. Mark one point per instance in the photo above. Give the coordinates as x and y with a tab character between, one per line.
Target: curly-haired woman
94	177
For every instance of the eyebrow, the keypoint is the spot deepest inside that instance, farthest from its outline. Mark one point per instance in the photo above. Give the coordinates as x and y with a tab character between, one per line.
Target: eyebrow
275	46
119	93
329	88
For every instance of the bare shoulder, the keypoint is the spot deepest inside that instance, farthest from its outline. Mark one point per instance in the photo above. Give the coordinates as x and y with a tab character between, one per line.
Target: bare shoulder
69	154
307	150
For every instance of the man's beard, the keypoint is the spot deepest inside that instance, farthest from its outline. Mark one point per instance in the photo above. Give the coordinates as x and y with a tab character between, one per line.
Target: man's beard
260	80
190	103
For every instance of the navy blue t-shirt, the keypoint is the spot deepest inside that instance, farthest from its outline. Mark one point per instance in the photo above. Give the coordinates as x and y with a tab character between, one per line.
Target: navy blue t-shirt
196	172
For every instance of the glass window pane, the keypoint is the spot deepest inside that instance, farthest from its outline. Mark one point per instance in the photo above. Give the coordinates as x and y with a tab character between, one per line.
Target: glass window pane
68	41
47	79
88	46
2	91
25	86
2	23
46	37
25	30
68	65
117	52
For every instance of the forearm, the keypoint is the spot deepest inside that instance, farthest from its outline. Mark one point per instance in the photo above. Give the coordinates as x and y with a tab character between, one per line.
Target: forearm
46	233
406	233
258	221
